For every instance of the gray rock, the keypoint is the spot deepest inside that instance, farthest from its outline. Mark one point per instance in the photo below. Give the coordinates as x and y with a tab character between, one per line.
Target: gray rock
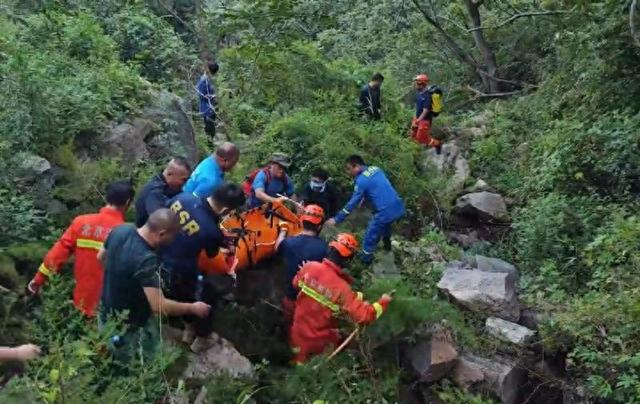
531	318
434	358
461	174
508	331
385	265
464	240
490	293
34	172
173	132
488	264
485	205
498	375
221	358
126	141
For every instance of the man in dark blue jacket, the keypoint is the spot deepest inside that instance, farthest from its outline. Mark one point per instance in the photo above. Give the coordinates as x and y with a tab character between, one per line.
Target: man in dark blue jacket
370	98
372	185
200	222
208	99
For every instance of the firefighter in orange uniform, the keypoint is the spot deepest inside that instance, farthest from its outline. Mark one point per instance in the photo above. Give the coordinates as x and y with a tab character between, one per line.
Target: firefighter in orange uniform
84	238
324	293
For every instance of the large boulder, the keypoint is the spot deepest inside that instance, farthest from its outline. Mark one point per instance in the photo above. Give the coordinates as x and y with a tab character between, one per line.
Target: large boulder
486	206
498	376
491	293
35	173
221	358
488	264
508	331
433	358
126	140
173	133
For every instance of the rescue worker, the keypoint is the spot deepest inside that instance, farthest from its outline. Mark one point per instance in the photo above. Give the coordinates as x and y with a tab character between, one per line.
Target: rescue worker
370	97
200	221
162	187
324	294
208	99
307	246
319	191
209	174
132	283
372	185
84	238
421	124
271	181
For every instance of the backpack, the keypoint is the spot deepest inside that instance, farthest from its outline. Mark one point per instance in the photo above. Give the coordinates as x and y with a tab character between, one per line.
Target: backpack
436	99
248	180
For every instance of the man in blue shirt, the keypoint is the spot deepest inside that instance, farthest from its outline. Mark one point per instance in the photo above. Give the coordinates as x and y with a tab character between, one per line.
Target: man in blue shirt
209	174
208	99
372	184
307	246
162	187
272	181
200	222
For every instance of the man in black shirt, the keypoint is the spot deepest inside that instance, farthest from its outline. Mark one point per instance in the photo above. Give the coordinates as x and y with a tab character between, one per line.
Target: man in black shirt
319	191
132	281
162	187
370	97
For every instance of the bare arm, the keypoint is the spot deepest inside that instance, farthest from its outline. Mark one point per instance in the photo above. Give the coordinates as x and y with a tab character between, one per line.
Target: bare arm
161	305
424	113
263	196
281	236
22	352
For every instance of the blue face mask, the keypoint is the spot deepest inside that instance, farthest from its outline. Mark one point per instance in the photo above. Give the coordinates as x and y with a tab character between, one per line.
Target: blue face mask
317	186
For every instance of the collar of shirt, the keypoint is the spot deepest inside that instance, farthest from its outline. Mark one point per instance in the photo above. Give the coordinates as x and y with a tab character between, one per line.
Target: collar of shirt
339	271
112	212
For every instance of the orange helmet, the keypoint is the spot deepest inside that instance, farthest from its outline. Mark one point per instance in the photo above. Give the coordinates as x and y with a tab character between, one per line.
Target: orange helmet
421	79
313	214
346	244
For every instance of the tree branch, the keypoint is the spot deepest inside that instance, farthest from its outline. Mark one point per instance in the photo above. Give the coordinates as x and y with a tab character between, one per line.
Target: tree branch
633	10
480	94
522	15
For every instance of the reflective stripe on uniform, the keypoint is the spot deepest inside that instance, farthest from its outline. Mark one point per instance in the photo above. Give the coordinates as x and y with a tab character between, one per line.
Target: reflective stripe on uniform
359	296
378	308
346	212
86	243
318	297
45	271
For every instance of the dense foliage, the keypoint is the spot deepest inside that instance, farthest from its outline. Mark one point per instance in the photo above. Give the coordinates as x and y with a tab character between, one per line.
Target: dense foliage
562	140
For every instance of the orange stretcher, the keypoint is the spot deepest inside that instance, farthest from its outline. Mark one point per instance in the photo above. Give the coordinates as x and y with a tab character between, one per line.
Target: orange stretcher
256	230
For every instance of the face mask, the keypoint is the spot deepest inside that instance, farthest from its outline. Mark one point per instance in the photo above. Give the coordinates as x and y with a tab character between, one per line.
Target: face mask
317	186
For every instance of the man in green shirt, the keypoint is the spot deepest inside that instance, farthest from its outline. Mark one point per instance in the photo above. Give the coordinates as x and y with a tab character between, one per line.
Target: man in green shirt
132	282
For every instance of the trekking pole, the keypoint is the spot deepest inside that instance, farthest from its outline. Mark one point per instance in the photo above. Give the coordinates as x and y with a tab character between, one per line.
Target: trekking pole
298	204
344	343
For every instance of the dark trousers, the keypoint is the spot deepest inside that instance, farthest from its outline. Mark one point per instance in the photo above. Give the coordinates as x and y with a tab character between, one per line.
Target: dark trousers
210	126
183	288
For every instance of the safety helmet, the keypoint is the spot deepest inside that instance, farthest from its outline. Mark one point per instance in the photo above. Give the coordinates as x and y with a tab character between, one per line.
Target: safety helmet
346	244
421	79
312	214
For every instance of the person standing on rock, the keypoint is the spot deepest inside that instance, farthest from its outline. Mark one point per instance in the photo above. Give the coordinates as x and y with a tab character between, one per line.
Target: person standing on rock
209	174
370	98
84	238
307	246
132	283
200	221
372	185
208	99
425	111
324	293
162	187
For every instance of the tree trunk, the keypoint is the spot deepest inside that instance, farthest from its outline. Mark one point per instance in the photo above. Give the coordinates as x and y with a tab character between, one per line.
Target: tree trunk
489	80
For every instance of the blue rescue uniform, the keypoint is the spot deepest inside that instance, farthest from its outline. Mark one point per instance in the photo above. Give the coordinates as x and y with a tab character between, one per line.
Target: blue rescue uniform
205	179
295	251
423	100
272	187
373	186
200	231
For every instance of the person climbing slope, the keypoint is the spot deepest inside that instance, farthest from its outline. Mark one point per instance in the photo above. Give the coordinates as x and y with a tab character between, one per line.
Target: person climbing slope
162	187
324	294
428	105
372	185
200	221
209	174
84	238
307	246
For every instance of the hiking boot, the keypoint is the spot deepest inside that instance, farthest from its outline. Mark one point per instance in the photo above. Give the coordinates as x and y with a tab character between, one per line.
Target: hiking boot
386	243
201	344
188	334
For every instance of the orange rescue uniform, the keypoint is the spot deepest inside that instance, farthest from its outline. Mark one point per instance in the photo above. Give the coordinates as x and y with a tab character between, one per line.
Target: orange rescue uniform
83	238
421	133
325	292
